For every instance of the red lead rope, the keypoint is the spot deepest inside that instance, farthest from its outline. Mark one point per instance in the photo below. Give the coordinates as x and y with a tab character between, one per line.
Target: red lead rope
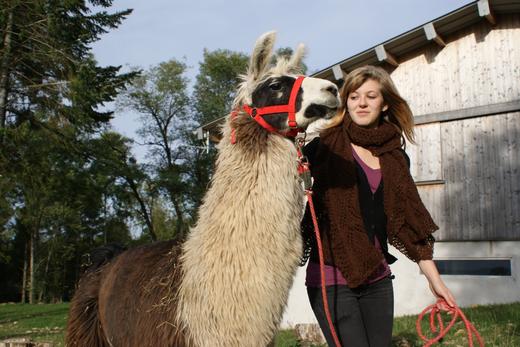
322	270
435	313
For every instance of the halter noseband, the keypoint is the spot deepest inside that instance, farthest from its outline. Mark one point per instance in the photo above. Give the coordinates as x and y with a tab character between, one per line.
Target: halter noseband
258	113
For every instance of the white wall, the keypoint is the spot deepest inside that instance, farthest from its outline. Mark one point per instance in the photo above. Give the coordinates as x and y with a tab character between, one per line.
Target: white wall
412	294
298	310
411	288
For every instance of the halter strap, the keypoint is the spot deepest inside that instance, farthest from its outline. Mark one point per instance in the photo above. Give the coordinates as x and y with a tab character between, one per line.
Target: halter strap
258	113
292	102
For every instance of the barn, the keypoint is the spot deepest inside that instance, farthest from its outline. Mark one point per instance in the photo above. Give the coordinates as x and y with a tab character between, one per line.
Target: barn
460	74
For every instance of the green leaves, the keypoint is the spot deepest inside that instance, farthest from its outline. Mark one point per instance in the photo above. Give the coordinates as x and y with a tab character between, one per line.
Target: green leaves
47	64
92	86
216	83
63	182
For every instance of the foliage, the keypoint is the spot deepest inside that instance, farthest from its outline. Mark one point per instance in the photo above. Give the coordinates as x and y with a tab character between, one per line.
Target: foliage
159	96
67	201
179	167
287	52
56	200
47	69
287	338
216	83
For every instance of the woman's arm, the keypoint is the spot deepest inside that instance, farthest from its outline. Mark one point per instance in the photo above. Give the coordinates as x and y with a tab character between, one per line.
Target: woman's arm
437	285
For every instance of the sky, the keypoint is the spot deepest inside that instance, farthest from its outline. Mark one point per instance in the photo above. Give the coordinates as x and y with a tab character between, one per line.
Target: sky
331	30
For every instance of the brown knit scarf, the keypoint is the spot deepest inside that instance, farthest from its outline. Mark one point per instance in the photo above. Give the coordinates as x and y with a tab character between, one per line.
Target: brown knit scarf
346	243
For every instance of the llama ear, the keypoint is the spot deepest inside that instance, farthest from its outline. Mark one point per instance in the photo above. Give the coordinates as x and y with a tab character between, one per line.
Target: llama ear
261	54
295	63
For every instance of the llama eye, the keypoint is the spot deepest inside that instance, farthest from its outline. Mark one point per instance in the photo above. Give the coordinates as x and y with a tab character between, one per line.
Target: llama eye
275	86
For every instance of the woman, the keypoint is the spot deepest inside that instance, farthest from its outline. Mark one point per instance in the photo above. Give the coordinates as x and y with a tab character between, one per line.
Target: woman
365	197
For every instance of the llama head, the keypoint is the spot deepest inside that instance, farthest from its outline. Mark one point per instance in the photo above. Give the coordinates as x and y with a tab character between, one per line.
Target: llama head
267	84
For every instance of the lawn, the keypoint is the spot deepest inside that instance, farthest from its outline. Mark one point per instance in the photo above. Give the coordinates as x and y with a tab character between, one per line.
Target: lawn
42	322
499	325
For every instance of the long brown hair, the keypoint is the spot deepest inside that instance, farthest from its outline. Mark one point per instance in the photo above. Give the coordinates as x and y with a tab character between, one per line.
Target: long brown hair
398	112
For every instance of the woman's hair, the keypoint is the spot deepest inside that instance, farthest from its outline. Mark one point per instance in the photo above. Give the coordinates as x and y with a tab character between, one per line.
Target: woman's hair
398	112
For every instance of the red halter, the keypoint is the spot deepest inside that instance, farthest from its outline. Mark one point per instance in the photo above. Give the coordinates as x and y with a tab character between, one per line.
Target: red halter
258	113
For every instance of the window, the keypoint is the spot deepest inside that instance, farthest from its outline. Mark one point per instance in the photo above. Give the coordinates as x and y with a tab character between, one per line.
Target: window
475	267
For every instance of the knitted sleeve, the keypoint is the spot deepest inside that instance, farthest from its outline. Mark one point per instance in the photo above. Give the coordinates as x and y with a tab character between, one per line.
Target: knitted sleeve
414	250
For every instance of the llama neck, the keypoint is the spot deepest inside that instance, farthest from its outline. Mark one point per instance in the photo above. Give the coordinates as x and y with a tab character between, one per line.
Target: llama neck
240	258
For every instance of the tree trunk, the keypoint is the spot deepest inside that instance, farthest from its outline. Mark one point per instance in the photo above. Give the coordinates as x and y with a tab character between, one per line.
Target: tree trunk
4	69
180	220
44	285
24	275
31	268
105	216
142	206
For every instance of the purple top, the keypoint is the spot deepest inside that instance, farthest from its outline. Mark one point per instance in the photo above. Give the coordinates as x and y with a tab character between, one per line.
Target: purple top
332	274
373	175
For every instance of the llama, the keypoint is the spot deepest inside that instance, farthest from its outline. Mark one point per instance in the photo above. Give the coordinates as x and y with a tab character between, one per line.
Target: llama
227	283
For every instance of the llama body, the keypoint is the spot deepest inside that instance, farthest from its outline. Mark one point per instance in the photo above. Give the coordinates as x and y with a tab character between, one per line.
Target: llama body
248	228
227	284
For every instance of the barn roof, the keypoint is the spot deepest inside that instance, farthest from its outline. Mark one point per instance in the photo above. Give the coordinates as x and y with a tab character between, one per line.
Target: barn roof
388	52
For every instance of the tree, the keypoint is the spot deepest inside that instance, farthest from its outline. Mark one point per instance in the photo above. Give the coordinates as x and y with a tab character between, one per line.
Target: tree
46	68
51	89
125	178
64	201
216	84
286	52
160	97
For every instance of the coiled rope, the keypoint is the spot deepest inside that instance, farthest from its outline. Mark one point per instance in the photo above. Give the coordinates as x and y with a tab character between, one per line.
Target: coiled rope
435	317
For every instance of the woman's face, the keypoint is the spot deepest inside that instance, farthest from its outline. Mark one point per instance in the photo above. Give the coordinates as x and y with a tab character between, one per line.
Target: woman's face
366	103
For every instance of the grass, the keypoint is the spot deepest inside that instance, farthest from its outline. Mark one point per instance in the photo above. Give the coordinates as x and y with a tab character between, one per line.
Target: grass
499	325
41	323
286	338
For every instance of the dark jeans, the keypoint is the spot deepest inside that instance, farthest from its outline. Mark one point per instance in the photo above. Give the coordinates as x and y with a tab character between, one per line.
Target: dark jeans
362	316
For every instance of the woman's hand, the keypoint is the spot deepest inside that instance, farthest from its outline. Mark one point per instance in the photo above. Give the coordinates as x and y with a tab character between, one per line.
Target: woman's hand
440	290
437	286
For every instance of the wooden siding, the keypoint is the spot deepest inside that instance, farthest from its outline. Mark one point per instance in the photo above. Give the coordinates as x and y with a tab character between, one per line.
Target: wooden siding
480	65
480	196
426	158
467	170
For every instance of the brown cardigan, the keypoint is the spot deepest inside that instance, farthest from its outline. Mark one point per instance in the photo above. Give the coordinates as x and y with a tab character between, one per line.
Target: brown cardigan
346	244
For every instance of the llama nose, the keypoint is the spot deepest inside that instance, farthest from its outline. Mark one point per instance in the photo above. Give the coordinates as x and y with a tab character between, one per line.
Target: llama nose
332	89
